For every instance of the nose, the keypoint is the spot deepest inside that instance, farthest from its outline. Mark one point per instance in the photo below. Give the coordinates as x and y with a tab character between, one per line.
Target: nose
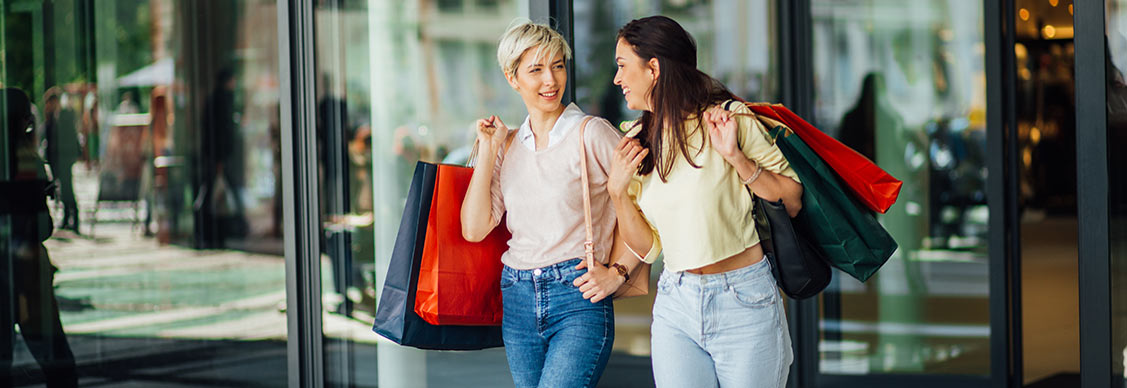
618	77
549	78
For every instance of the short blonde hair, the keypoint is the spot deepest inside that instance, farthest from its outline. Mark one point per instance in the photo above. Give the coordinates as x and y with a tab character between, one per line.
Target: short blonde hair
525	36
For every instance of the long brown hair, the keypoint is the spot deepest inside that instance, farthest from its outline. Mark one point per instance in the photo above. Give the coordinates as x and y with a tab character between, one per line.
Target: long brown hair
681	91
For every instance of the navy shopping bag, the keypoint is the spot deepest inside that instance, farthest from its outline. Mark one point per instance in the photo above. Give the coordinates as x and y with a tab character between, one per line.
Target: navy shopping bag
395	315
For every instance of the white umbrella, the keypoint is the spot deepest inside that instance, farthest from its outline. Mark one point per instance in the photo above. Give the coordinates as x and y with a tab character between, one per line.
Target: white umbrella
156	73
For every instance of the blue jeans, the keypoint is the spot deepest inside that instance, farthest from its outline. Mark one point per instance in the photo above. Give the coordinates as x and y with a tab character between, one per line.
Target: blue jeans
553	337
720	330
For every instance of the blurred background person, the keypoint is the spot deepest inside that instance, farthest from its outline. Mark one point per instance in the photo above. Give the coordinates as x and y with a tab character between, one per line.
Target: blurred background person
27	293
128	104
61	129
155	144
91	138
332	143
219	207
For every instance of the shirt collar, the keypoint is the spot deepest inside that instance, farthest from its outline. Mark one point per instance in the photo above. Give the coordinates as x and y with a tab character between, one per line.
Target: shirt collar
564	124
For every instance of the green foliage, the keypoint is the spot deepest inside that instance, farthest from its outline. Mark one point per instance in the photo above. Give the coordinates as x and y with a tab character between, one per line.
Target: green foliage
133	32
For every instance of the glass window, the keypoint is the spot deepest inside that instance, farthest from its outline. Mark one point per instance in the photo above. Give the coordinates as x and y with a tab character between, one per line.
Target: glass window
1117	200
735	44
1046	142
154	256
903	83
397	82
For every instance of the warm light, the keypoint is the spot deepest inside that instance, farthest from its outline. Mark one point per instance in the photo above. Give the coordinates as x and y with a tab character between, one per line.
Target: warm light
946	34
1025	74
1027	157
1054	2
1055	32
1035	135
1020	51
1070	9
1024	14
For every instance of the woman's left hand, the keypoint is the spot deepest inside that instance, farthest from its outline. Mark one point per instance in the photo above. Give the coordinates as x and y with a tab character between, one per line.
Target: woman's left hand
723	132
599	282
628	155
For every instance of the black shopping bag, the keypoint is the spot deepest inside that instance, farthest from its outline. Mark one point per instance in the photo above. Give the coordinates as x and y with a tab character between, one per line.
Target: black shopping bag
395	315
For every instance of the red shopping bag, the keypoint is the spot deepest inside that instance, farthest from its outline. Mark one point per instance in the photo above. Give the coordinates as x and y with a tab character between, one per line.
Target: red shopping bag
874	187
459	281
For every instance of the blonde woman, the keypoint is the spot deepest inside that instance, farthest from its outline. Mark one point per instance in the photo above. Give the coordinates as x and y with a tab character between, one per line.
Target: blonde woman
554	336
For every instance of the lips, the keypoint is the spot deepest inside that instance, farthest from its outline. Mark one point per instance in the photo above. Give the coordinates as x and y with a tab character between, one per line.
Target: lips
550	95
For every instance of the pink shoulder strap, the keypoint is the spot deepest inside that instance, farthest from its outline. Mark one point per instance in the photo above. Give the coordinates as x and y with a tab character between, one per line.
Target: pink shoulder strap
589	244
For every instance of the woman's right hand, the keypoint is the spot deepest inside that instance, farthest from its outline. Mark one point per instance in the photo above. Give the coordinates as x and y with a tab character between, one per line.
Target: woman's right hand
491	132
628	156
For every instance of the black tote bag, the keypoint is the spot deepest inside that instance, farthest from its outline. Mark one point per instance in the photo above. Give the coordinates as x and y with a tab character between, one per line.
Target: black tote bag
395	314
799	266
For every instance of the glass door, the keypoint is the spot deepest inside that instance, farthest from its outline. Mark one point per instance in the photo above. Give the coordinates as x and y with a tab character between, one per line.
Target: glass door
397	82
1116	84
904	83
141	148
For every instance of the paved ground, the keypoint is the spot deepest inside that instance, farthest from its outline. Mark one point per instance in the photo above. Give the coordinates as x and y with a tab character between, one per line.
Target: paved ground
143	314
138	314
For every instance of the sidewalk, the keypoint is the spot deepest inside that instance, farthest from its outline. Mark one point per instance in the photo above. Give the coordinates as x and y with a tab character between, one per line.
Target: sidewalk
139	313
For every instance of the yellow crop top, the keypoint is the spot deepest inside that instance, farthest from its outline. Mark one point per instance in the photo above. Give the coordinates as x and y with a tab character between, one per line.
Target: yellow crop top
703	215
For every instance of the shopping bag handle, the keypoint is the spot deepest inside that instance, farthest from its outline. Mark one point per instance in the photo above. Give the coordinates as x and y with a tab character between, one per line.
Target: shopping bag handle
763	121
472	160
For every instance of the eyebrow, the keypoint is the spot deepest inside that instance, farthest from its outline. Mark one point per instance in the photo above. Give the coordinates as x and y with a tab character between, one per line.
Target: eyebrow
534	65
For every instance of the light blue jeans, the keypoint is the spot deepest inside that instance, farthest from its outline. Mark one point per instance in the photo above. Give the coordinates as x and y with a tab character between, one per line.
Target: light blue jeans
720	330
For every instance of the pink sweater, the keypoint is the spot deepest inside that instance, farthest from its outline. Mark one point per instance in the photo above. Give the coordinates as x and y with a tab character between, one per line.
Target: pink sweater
542	195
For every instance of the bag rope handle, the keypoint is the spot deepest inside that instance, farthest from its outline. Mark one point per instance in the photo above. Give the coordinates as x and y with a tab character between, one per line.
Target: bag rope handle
472	160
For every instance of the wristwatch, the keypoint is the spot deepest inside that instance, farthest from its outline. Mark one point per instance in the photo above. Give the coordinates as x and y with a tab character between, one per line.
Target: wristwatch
621	270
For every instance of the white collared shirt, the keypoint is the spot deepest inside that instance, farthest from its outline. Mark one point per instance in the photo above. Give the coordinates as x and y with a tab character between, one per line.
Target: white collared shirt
567	121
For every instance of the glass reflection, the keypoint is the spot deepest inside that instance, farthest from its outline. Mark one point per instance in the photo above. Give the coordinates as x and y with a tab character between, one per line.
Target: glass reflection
26	272
735	44
158	123
1117	182
903	83
398	82
1046	143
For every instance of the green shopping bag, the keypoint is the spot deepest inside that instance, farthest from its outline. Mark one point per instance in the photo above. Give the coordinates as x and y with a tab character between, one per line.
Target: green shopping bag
851	237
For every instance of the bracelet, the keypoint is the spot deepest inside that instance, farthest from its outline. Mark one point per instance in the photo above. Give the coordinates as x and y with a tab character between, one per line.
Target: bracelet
754	176
621	270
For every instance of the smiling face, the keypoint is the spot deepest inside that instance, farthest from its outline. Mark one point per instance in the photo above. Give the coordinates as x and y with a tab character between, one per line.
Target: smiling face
635	76
540	81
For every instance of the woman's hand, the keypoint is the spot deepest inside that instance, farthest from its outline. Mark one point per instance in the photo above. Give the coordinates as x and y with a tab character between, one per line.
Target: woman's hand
723	132
599	282
627	157
491	133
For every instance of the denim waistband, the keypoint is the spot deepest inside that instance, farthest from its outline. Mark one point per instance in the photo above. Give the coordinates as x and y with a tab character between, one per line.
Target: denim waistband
723	279
555	271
